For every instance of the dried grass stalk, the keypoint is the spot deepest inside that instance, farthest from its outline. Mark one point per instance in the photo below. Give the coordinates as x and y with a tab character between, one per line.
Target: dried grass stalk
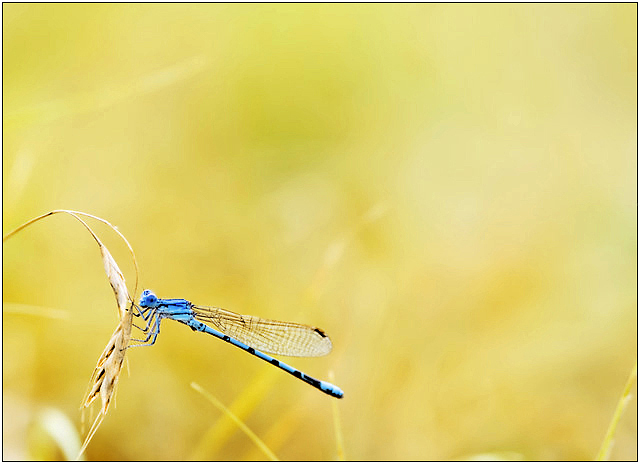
116	279
107	371
104	379
76	215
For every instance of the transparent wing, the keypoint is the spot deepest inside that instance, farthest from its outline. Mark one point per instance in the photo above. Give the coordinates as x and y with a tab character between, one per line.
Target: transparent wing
275	337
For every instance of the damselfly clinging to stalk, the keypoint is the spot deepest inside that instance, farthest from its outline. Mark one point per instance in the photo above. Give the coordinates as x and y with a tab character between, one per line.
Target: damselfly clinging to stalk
248	333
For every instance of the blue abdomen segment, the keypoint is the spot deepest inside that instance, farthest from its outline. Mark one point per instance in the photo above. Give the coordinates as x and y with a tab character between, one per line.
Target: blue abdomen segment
326	387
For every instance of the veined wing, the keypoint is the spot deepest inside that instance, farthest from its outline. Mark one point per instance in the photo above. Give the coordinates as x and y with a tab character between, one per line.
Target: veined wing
275	337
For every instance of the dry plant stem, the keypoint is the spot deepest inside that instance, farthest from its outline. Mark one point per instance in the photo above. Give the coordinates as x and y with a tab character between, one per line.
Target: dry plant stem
105	376
75	214
107	372
607	444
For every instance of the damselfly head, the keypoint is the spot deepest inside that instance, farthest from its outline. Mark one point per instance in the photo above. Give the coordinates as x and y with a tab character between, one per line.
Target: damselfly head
148	299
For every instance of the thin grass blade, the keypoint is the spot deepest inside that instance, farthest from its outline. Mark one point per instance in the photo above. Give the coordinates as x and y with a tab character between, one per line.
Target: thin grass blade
337	425
607	444
252	436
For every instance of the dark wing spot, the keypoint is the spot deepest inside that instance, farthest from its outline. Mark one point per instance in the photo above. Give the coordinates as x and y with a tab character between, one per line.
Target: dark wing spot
319	331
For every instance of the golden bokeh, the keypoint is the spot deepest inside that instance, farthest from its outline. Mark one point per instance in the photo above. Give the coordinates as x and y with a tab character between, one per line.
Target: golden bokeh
448	190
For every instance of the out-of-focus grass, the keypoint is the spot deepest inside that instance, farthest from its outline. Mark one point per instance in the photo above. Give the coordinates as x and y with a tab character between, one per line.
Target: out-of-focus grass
338	426
39	311
607	444
218	434
53	432
491	310
241	425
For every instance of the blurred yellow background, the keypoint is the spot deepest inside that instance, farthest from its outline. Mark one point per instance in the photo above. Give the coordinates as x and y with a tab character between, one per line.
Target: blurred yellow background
449	191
